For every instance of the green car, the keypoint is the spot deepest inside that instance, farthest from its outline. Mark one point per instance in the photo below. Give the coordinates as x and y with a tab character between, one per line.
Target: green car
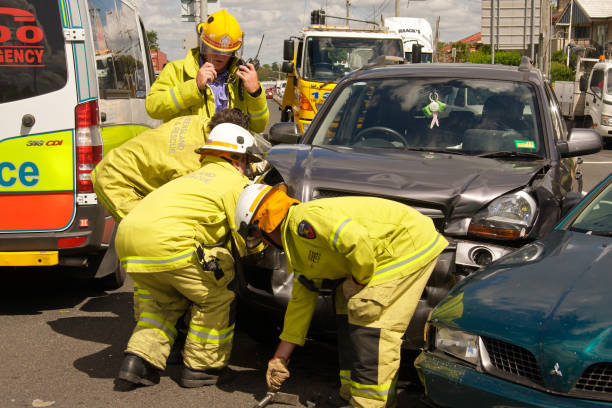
533	329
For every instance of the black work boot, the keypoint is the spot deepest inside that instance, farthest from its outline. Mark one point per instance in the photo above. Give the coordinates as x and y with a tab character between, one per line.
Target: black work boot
138	371
191	378
334	399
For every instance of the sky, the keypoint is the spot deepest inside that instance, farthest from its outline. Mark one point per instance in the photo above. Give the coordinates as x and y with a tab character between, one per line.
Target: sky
277	20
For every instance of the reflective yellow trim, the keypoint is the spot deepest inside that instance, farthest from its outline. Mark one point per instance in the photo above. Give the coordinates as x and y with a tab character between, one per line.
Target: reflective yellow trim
157	261
376	392
222	144
385	270
258	198
206	335
29	258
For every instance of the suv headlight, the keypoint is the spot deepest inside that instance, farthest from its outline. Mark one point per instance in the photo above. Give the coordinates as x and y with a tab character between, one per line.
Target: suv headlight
606	120
457	343
507	217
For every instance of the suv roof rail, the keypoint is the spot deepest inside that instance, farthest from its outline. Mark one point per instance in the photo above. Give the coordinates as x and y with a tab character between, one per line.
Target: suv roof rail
526	64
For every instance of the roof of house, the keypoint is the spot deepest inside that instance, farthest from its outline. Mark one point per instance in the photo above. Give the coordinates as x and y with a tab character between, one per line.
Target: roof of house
584	11
474	38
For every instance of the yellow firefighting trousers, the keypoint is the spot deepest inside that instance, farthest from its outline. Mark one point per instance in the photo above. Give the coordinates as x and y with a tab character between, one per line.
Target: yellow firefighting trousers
370	330
211	327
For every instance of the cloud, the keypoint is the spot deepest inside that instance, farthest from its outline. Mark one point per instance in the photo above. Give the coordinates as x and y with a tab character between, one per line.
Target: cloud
277	20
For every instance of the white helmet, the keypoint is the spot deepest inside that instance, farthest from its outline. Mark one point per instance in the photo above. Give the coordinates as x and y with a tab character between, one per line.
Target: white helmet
230	138
247	205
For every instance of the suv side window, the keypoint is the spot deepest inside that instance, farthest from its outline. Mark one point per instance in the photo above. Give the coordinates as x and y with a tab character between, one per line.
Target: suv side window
560	130
119	61
596	85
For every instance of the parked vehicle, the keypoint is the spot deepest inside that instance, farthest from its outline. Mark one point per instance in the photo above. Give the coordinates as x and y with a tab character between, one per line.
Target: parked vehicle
270	92
73	78
494	167
324	54
533	329
415	32
588	99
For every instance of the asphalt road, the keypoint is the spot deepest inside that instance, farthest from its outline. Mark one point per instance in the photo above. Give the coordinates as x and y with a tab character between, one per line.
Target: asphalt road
62	344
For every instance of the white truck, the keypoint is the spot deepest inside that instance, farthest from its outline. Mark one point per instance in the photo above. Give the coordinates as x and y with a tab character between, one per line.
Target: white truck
588	99
413	31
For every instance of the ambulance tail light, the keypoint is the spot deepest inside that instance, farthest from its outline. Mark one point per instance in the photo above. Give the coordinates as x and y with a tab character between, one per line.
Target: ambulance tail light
88	144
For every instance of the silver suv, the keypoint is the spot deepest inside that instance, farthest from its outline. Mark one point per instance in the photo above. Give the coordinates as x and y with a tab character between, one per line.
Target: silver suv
481	149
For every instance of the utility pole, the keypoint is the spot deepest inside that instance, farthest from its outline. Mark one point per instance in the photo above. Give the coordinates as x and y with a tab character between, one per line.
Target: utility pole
348	6
569	31
531	32
203	10
397	12
491	32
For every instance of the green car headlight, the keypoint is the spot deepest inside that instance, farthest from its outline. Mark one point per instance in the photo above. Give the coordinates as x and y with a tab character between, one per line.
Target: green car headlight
459	344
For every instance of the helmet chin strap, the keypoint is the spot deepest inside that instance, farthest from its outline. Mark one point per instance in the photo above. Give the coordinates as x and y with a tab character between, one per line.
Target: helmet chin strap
270	240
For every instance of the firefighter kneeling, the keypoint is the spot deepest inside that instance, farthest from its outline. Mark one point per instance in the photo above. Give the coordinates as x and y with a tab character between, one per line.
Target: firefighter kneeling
176	244
383	251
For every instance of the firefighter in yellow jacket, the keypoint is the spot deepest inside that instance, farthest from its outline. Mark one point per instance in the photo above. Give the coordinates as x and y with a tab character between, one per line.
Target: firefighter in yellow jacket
131	171
176	243
210	78
382	251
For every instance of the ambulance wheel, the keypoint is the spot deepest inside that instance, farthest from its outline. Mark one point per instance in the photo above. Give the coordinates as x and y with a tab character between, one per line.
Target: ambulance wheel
113	281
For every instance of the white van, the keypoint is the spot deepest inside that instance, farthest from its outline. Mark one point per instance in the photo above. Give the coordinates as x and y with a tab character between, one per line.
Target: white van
73	78
598	99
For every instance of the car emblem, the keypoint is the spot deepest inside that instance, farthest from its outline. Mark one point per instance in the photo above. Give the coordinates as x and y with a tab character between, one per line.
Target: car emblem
556	371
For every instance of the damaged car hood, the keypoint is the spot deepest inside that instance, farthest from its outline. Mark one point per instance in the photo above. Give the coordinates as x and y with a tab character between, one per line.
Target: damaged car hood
455	184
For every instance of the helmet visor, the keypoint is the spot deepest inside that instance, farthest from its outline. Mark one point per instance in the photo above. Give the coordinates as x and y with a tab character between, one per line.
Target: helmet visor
251	235
206	49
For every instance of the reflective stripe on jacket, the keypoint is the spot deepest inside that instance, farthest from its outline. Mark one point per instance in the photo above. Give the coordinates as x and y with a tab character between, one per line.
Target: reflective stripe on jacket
374	240
161	233
175	93
144	163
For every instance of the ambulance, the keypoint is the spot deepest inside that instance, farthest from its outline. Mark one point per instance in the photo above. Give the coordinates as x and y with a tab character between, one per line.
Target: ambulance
73	79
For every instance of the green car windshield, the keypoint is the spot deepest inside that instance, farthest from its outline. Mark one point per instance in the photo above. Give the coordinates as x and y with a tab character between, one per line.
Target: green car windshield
464	116
596	217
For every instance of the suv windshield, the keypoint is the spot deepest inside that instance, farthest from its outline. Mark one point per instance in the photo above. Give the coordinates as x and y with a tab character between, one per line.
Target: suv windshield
467	116
32	56
329	58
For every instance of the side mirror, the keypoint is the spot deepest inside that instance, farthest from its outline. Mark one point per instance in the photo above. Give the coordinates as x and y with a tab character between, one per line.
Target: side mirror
287	67
580	142
583	83
288	50
284	132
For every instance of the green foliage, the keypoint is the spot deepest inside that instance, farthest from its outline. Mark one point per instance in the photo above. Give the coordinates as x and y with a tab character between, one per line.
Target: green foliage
270	73
560	72
501	57
559	56
153	40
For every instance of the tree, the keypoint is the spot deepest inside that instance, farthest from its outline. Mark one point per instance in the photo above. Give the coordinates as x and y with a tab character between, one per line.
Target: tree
152	39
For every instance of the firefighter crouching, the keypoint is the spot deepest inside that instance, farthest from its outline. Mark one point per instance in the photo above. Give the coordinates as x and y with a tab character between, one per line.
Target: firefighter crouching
210	78
176	244
383	251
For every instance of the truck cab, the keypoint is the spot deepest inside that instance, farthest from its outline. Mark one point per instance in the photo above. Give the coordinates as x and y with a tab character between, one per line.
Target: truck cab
598	99
320	57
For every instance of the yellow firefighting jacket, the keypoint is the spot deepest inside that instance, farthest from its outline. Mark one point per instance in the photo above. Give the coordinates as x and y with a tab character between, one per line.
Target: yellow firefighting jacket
163	231
371	239
175	93
131	171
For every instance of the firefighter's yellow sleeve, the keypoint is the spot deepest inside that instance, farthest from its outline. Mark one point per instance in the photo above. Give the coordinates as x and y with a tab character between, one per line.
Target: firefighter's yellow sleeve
299	314
170	96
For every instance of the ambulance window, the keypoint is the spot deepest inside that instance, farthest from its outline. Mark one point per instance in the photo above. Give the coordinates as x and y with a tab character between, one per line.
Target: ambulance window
32	56
119	58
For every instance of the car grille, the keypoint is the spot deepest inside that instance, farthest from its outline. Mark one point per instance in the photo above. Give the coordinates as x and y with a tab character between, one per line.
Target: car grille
596	380
436	215
512	360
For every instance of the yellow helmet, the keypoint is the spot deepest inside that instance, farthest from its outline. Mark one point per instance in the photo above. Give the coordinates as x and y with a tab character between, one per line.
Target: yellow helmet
221	32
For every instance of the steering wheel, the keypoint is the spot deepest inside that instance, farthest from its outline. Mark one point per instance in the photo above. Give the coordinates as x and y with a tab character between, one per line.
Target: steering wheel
381	129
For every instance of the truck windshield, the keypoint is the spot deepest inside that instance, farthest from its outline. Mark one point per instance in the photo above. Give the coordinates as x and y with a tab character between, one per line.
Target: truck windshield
330	58
32	56
465	116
